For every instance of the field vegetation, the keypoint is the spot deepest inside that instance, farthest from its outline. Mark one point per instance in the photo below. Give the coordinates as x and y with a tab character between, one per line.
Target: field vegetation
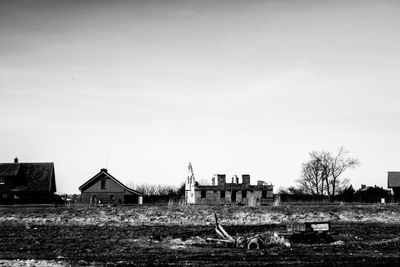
143	235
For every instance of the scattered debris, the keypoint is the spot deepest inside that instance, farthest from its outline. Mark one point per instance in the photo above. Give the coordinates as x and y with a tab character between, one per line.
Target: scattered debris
253	242
306	232
32	262
279	240
338	243
309	232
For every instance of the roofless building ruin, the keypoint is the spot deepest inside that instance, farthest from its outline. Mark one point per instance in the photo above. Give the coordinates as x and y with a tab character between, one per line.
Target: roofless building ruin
221	192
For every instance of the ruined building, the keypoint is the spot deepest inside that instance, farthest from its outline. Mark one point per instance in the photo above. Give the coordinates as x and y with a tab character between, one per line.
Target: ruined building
221	192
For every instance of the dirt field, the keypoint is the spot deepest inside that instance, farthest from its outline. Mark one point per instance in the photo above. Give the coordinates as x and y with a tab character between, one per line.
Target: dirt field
367	235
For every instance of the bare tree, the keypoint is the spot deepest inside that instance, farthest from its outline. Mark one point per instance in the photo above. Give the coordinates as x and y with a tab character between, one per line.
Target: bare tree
146	189
141	188
164	190
311	177
321	174
325	159
156	189
340	163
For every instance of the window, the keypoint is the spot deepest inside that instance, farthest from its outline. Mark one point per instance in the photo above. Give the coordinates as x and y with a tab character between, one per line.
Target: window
103	184
244	194
222	194
2	180
203	194
4	196
264	194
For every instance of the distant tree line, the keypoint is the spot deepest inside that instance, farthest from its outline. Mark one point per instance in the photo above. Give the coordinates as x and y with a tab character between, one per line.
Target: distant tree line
156	193
370	194
349	194
321	179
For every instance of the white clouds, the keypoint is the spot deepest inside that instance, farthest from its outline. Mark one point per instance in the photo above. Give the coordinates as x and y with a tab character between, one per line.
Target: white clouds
302	71
6	72
231	87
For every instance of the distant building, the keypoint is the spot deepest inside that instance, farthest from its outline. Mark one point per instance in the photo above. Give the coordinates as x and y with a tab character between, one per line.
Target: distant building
372	194
221	192
27	182
105	189
365	188
394	184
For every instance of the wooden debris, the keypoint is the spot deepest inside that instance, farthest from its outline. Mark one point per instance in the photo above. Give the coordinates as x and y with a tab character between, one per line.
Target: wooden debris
221	231
253	242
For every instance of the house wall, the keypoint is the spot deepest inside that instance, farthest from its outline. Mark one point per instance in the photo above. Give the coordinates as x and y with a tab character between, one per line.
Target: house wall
34	176
111	186
104	197
189	190
393	179
6	196
132	199
213	197
9	183
34	197
96	193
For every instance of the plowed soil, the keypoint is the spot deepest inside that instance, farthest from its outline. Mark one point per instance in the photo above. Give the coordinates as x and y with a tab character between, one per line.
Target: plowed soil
25	234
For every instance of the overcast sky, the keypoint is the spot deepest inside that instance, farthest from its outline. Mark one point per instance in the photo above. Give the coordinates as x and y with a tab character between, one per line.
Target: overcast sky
144	87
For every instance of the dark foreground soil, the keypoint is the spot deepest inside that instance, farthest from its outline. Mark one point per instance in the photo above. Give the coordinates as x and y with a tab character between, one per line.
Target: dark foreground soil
359	244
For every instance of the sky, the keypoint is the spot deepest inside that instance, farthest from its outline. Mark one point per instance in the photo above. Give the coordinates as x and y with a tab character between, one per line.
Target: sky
235	87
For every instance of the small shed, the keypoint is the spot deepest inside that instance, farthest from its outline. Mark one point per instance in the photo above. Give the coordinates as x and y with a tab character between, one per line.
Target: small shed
103	188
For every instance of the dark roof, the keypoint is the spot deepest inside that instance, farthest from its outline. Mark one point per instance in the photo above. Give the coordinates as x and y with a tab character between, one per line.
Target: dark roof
9	169
99	175
365	188
232	186
393	179
39	176
36	176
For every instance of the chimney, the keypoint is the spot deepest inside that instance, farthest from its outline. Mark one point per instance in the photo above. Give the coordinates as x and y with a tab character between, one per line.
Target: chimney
221	179
213	181
246	179
103	170
260	182
16	160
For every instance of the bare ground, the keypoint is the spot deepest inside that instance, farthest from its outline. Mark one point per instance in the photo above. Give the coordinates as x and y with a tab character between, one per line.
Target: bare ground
367	235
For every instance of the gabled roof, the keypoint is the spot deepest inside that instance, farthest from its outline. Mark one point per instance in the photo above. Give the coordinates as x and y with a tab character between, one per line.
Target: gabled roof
9	169
99	175
36	176
39	176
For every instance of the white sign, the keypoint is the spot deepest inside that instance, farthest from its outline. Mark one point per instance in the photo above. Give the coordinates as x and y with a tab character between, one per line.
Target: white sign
320	227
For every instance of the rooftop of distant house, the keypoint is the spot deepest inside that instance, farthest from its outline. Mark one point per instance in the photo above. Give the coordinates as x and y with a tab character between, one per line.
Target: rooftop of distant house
38	176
